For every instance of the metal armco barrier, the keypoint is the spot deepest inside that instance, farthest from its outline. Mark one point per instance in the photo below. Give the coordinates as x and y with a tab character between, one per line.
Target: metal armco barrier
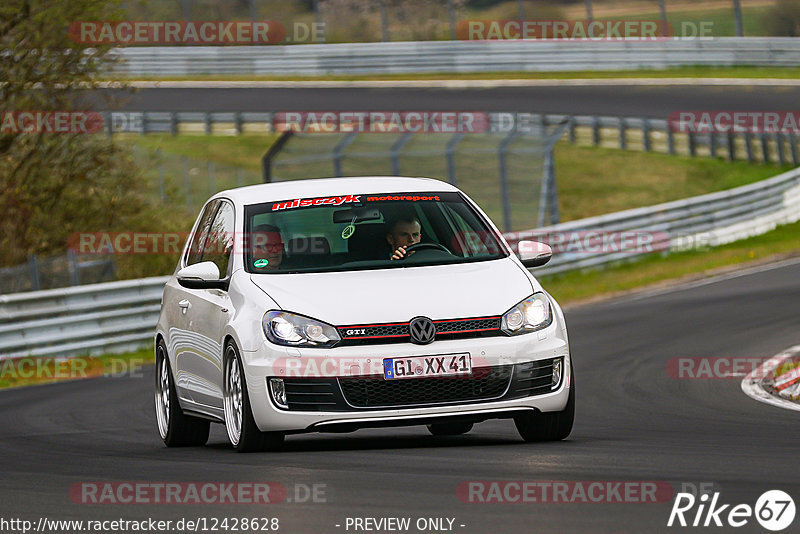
627	133
458	56
119	316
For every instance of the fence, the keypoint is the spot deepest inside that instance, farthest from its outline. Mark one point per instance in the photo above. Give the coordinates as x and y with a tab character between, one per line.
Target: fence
510	174
119	315
448	57
56	271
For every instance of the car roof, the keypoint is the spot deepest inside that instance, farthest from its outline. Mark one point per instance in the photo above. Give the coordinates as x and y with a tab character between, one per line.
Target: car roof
318	187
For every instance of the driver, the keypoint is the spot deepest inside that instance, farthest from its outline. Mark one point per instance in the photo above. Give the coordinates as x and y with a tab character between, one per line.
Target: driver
404	231
267	247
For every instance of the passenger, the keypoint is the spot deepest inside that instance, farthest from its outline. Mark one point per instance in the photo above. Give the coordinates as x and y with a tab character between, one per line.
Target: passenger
267	247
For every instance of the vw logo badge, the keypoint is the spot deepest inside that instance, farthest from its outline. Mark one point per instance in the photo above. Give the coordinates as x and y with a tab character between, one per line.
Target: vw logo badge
422	330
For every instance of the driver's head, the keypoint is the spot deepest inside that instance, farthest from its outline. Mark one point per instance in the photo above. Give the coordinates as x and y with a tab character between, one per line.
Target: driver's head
404	231
267	245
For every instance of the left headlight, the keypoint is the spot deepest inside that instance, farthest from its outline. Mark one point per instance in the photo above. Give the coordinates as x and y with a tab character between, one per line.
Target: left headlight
533	313
293	330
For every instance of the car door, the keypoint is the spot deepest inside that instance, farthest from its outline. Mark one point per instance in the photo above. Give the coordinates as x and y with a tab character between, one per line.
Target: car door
178	301
207	315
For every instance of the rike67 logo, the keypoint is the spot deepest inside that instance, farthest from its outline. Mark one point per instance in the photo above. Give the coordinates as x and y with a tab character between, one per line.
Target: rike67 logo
774	510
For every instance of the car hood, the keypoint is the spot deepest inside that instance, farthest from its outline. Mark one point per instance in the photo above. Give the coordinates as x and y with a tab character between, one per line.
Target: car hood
387	295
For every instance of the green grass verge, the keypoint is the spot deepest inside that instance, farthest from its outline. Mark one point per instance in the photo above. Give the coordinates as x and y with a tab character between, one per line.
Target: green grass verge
30	371
678	72
573	287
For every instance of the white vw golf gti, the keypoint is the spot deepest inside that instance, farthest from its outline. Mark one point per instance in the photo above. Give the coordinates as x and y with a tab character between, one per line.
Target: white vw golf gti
344	303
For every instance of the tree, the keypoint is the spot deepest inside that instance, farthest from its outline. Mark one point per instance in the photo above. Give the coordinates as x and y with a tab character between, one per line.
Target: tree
55	184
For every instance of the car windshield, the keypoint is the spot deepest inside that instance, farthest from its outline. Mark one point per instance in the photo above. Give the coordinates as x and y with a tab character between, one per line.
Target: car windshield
366	231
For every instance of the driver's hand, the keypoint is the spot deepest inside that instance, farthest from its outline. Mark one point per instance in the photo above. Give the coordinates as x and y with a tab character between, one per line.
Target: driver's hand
399	254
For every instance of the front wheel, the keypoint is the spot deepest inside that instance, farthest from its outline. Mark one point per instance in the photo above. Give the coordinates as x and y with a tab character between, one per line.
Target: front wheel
243	432
549	426
176	428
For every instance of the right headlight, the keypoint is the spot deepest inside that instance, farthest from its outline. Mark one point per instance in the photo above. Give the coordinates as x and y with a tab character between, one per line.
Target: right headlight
533	313
294	330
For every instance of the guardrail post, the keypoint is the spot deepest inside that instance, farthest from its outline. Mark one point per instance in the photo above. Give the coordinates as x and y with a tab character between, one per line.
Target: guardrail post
670	141
107	117
33	265
748	145
237	119
596	130
712	144
173	123
397	146
144	123
338	152
793	148
764	147
573	134
781	151
692	144
731	147
207	121
646	135
623	142
72	263
450	151
504	195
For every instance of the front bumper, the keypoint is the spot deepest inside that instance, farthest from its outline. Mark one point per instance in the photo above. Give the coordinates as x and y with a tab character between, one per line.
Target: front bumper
359	363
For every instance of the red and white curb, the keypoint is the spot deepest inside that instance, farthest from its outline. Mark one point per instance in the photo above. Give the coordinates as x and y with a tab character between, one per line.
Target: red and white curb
753	387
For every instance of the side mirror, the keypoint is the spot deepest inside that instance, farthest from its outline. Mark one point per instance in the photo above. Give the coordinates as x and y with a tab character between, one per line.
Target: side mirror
203	275
534	254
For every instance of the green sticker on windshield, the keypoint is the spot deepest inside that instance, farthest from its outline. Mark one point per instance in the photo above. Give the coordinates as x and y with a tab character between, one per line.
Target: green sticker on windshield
260	263
348	231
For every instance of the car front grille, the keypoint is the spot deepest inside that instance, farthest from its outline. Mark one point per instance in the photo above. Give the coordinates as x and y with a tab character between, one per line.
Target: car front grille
398	332
349	394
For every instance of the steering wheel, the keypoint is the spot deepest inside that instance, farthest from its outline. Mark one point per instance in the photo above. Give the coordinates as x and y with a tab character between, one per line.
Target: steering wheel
422	246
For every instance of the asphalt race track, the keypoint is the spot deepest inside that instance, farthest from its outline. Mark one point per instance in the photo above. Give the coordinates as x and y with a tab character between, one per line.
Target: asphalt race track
634	423
623	100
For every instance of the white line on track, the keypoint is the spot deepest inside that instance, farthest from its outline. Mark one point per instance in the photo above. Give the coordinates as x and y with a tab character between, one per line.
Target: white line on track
456	84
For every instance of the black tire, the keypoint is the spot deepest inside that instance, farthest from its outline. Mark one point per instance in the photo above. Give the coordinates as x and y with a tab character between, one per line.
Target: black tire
175	428
549	426
248	438
449	429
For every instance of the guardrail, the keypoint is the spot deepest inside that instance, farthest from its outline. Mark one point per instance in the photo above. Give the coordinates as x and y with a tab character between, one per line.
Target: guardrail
459	56
90	319
627	133
119	316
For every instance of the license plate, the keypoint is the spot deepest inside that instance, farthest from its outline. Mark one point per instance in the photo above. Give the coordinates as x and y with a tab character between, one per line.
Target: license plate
423	366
